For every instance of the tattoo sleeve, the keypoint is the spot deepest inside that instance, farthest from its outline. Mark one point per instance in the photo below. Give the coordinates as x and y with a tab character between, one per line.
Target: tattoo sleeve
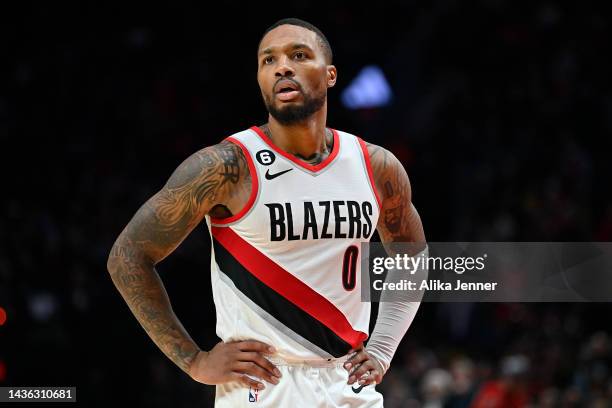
399	220
205	179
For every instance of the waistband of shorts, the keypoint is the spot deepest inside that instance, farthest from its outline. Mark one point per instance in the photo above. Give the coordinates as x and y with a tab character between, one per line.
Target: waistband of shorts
316	363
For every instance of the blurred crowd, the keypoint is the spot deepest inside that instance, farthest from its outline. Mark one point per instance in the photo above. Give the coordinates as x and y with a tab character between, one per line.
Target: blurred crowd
516	355
501	114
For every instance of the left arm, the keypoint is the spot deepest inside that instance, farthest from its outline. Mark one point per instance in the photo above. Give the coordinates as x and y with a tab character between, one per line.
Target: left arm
398	221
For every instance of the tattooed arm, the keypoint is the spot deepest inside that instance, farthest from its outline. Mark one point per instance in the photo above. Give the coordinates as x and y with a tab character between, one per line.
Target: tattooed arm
213	181
398	222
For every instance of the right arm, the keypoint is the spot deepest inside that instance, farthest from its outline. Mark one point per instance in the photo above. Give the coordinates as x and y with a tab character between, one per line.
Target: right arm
213	177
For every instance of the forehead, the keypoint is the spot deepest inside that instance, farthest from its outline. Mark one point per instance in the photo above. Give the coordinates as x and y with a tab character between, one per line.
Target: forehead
286	35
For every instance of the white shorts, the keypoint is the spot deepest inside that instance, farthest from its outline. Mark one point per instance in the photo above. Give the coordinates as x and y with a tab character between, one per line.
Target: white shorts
306	384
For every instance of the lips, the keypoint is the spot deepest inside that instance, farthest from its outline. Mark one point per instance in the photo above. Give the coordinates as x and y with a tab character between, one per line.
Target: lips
285	86
287	90
287	96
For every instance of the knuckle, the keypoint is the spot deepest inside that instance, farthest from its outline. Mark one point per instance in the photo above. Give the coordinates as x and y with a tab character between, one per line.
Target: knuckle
361	371
248	381
265	363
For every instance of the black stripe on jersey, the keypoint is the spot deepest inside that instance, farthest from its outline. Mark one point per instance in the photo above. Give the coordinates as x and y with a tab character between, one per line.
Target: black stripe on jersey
278	306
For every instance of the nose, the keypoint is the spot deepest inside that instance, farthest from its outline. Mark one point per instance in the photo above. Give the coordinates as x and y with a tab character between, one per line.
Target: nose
284	69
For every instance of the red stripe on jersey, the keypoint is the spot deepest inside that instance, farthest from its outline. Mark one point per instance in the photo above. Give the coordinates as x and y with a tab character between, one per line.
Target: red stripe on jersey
287	285
254	187
366	156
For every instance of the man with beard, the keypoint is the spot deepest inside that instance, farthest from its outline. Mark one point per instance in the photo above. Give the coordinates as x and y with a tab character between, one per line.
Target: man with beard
287	204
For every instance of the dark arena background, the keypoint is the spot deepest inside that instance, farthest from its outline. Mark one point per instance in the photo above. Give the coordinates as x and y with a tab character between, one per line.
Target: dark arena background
501	112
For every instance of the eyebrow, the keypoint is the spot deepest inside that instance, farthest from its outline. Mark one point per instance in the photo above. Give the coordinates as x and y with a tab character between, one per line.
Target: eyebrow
293	46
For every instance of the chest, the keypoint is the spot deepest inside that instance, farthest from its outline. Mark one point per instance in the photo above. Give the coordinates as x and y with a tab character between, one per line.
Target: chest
294	205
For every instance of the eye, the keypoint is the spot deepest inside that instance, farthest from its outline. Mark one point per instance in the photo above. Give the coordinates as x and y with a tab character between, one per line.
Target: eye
268	60
299	55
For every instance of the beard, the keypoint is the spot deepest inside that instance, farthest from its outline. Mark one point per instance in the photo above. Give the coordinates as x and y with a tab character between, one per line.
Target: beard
296	113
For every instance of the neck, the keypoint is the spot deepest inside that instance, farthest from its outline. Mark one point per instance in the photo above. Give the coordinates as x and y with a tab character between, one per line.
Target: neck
307	140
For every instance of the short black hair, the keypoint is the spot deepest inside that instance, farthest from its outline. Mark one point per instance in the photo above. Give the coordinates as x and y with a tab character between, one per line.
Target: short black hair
301	23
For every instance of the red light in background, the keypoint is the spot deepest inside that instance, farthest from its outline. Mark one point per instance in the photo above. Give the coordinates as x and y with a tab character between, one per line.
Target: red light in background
2	316
2	371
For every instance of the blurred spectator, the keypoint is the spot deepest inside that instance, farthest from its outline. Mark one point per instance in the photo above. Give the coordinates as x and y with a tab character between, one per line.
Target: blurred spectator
463	383
510	390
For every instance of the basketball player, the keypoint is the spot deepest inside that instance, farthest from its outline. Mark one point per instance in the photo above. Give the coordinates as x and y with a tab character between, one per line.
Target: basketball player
287	205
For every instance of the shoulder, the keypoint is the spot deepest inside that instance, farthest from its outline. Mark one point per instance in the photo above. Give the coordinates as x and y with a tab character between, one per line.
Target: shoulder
387	170
390	178
210	172
379	156
207	160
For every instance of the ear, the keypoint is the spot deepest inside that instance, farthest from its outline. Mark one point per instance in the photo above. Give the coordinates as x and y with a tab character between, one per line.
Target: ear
332	76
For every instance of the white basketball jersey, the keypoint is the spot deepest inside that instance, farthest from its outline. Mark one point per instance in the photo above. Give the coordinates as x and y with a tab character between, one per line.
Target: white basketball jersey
286	270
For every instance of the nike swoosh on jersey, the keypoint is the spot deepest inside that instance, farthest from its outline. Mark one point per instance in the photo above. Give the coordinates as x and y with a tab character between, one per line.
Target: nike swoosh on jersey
358	389
275	175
